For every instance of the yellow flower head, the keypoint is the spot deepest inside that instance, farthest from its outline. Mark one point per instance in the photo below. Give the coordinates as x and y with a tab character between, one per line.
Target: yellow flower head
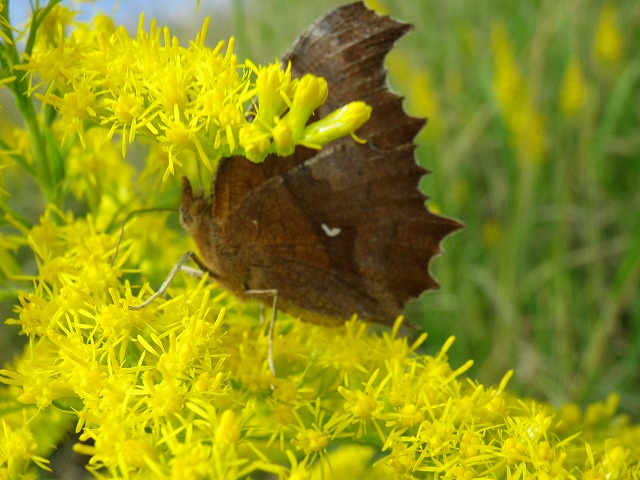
608	42
573	92
188	98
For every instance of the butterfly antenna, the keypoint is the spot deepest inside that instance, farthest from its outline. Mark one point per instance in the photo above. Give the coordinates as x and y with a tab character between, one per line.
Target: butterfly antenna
129	216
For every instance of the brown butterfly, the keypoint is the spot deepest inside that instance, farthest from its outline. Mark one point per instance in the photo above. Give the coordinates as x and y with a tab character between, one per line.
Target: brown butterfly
338	231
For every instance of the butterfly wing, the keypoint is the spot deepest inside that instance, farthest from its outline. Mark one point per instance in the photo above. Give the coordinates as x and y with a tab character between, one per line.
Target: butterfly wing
343	230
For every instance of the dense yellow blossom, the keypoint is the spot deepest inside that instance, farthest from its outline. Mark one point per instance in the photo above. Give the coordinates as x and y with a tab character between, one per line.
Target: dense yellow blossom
188	98
183	387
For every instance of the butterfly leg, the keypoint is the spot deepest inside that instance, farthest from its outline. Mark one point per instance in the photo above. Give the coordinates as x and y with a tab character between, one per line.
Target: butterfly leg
272	324
129	216
163	288
192	272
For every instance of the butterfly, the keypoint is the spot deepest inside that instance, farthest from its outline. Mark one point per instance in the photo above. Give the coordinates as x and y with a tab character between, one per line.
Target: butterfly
329	233
336	231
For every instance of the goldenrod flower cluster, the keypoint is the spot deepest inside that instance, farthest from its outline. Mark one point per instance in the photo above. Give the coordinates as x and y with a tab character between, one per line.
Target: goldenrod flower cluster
187	98
182	388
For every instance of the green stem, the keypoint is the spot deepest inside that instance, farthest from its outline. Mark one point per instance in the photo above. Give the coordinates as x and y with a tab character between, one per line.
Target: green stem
37	17
599	339
623	282
43	173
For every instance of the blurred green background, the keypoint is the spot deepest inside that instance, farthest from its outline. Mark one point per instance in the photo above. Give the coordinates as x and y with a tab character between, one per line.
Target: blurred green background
534	144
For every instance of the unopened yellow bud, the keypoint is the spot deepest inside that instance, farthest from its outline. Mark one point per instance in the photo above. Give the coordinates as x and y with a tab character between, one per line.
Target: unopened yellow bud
310	93
339	123
283	138
254	141
272	85
228	431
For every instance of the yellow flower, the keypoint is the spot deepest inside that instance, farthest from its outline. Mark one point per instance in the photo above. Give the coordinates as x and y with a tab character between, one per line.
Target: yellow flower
470	444
310	441
516	101
344	121
608	43
573	92
362	405
410	415
228	431
492	233
275	90
513	450
310	92
256	142
56	21
17	446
